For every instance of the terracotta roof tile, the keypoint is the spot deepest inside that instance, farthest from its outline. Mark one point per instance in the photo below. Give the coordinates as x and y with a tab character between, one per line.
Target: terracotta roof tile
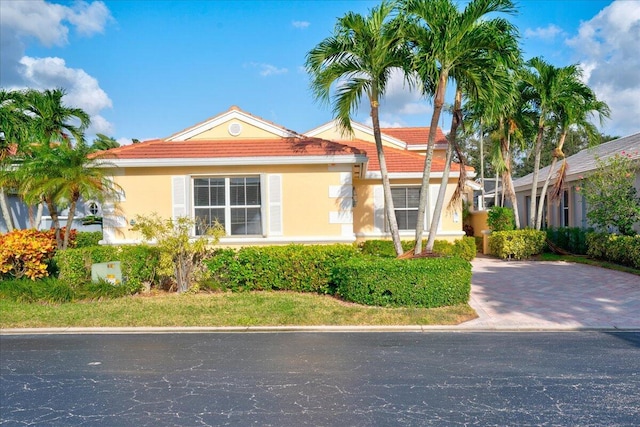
160	149
415	135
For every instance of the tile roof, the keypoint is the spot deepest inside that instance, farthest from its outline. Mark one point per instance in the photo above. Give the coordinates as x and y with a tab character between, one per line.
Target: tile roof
585	161
191	149
415	135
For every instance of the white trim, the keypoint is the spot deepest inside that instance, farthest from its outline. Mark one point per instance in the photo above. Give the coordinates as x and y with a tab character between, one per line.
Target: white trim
241	161
256	240
341	217
409	233
407	175
424	147
359	127
226	117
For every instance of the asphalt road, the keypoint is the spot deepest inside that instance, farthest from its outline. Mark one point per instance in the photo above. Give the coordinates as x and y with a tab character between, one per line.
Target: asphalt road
321	379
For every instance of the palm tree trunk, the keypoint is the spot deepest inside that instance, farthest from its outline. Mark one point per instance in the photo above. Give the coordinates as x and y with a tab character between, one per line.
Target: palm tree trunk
38	219
507	181
70	216
438	104
557	152
55	221
6	213
386	184
482	207
437	212
533	219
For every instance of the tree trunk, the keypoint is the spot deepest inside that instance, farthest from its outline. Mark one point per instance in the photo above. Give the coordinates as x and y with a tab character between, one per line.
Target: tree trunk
386	184
507	181
438	103
556	153
38	219
6	212
70	216
481	207
437	212
533	220
55	221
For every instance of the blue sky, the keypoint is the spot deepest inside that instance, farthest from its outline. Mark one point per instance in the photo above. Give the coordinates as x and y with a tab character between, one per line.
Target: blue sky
147	69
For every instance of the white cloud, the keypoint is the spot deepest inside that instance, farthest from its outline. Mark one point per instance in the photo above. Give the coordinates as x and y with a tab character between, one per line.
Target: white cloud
300	24
547	33
268	69
607	48
124	141
49	24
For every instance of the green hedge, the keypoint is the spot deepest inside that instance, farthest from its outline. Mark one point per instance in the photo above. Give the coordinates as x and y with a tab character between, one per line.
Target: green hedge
139	263
616	248
464	248
56	291
517	244
425	282
86	239
572	239
291	267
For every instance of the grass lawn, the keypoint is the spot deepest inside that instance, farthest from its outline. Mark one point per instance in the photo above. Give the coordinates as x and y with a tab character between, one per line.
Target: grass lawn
222	309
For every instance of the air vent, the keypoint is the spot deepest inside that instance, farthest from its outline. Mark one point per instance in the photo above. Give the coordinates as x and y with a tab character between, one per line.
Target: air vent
235	129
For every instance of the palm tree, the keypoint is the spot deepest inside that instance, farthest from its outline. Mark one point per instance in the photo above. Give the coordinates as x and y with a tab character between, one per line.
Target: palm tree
546	88
443	39
104	142
359	59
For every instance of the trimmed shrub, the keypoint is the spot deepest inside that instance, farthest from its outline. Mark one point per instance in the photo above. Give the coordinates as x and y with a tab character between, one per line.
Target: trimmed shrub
86	239
139	264
24	253
517	244
56	291
616	248
500	218
571	239
424	282
292	267
464	248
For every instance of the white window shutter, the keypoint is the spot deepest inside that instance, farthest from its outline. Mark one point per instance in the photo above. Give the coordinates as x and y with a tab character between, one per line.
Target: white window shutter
275	205
378	208
179	196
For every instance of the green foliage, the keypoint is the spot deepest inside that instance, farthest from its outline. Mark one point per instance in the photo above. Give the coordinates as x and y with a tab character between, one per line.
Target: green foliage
611	197
56	291
179	251
572	239
517	244
426	282
624	250
464	248
291	267
500	218
139	264
85	239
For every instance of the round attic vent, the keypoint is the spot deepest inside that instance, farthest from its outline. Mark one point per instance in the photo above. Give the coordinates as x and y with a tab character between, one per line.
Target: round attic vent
235	129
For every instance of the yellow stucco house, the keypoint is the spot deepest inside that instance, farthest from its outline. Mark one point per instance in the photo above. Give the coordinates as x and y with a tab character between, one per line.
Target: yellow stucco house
270	185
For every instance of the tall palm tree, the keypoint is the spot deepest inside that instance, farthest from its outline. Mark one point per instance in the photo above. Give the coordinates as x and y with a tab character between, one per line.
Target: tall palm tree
104	142
445	38
359	59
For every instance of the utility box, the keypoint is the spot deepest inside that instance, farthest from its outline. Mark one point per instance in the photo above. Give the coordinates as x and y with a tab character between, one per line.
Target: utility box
108	271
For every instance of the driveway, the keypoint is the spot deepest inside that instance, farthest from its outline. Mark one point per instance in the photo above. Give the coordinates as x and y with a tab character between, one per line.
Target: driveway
552	295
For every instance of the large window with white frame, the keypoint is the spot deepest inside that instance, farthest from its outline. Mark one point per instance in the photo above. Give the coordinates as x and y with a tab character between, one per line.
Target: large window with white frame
235	202
405	204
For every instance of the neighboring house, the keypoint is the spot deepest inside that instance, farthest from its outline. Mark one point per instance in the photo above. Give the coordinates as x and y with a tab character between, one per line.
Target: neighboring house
267	184
22	216
571	209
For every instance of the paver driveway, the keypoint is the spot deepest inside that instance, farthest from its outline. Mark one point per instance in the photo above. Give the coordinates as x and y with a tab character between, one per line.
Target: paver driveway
552	295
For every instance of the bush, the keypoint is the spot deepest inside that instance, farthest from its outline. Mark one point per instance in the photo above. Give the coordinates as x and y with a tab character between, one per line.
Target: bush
24	253
464	248
500	218
292	267
571	239
56	291
86	239
139	264
425	282
619	249
517	244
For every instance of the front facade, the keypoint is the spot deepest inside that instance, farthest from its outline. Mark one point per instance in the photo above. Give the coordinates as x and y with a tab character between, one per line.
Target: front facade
269	185
571	208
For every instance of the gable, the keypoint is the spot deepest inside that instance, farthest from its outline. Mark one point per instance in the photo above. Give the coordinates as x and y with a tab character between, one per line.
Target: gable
232	124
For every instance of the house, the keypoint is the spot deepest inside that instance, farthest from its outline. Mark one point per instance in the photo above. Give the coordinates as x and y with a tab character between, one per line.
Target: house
571	209
268	184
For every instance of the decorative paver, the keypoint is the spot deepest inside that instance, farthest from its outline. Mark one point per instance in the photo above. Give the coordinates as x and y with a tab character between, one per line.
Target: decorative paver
552	295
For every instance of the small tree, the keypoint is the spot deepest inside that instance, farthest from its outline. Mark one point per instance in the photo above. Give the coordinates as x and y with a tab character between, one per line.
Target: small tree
177	247
611	197
500	218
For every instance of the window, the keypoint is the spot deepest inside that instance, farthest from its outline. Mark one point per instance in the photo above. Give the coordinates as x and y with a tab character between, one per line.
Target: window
405	204
233	202
93	209
565	209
